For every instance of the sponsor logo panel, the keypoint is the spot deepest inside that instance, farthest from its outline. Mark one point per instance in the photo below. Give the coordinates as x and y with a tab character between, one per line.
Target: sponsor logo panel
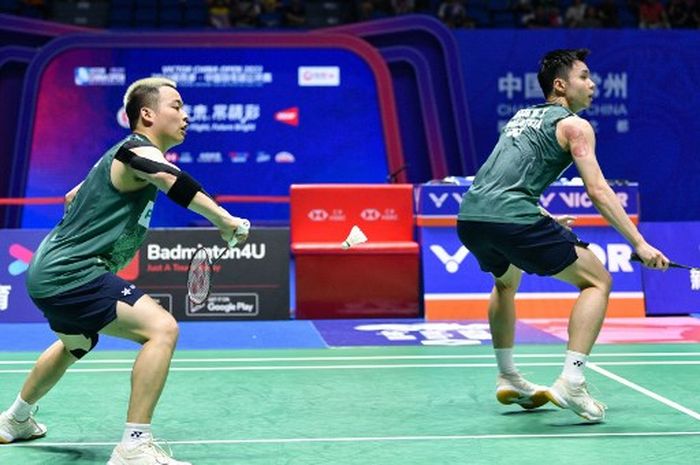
319	76
99	76
226	304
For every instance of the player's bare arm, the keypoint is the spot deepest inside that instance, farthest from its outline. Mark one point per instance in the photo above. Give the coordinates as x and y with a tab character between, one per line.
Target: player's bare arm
577	136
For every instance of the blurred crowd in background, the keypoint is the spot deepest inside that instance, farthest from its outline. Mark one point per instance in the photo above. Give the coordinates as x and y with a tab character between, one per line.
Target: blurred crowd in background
309	14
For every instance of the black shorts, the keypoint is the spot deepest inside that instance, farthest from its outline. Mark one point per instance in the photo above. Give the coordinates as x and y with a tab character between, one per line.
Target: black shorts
90	307
544	248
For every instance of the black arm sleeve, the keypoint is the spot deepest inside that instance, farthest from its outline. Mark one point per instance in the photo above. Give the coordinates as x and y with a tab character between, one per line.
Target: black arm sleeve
126	156
181	192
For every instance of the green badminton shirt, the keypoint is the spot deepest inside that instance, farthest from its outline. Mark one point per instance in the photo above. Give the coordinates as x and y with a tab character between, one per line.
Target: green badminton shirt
526	159
100	232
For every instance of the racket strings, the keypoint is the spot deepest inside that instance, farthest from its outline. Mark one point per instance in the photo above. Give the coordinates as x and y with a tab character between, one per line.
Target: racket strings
199	277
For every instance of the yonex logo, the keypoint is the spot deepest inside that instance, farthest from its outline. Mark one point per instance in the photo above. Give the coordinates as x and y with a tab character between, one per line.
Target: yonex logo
451	262
578	363
370	214
136	434
23	256
318	214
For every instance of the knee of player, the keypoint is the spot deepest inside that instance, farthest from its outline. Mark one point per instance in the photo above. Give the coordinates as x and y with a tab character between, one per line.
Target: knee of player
603	281
505	287
78	345
168	330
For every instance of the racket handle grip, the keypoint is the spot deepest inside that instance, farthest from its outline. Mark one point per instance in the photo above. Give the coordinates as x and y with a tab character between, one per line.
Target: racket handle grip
636	258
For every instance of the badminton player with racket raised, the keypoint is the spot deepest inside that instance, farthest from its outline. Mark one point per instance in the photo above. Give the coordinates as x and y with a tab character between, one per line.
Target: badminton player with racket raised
500	223
72	277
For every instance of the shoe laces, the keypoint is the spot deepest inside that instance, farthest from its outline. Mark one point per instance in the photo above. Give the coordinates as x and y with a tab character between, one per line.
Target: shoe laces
160	452
587	395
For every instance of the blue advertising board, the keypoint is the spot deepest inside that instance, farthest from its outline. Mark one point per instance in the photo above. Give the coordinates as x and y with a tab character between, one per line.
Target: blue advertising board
676	291
16	250
261	116
643	110
438	204
455	286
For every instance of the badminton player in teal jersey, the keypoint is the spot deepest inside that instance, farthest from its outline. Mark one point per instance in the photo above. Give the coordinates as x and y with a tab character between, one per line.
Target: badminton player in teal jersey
72	275
501	224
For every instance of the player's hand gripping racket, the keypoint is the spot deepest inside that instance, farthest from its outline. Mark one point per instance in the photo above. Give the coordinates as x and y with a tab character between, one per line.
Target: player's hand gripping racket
199	272
636	258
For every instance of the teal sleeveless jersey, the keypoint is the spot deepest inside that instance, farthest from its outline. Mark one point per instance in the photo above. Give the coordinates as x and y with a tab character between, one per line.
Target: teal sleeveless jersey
526	159
100	232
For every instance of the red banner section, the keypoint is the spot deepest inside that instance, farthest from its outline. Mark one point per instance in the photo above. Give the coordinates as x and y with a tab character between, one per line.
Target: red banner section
376	279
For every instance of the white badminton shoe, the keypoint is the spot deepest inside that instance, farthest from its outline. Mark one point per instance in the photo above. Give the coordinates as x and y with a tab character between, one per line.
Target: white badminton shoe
576	398
512	388
146	453
12	430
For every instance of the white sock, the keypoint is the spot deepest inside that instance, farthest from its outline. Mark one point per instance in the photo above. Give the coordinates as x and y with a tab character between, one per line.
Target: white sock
504	359
20	410
135	434
574	364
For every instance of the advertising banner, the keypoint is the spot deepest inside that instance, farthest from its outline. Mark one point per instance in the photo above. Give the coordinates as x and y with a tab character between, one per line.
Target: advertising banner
642	133
455	286
250	282
438	204
258	119
16	250
675	291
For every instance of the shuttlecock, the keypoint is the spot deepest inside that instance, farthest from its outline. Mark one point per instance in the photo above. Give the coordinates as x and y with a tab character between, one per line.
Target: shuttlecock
355	237
240	233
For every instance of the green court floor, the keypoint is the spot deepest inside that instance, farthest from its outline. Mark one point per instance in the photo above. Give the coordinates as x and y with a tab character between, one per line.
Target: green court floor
372	406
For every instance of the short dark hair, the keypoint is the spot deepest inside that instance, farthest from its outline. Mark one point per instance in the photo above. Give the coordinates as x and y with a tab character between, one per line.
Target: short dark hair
557	64
143	93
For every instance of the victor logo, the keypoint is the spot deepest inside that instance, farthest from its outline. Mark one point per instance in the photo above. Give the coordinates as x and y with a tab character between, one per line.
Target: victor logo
439	200
451	262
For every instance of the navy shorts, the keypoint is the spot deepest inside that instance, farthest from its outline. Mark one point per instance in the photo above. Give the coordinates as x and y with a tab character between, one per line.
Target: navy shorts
544	248
90	307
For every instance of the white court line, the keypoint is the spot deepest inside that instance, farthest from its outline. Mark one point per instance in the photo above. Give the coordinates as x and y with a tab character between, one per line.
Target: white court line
350	367
651	362
376	439
371	357
645	391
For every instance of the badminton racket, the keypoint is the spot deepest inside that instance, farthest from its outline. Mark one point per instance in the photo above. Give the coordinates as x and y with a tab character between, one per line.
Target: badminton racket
201	265
636	258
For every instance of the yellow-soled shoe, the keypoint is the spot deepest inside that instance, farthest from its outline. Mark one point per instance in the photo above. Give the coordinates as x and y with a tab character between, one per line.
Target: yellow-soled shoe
512	388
